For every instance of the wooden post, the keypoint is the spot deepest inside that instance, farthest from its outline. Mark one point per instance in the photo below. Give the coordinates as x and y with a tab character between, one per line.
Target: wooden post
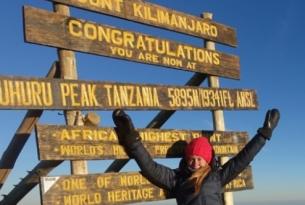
68	71
218	117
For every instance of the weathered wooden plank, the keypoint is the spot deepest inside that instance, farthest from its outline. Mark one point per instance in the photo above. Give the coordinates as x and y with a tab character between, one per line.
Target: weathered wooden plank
75	142
47	28
113	188
159	16
36	93
242	182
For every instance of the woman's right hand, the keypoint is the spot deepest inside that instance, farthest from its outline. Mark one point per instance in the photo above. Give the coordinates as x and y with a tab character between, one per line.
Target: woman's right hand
271	120
127	134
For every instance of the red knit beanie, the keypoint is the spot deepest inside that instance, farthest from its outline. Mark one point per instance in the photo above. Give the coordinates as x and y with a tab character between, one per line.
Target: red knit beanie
199	147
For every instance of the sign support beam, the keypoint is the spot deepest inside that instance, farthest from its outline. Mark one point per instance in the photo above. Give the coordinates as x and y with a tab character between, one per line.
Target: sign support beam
68	71
218	117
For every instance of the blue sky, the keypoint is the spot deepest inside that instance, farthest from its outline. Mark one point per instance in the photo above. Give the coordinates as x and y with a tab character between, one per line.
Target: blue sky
271	48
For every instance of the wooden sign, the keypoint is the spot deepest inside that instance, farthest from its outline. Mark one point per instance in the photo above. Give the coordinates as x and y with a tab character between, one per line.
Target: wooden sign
79	142
35	93
242	182
113	188
48	28
159	16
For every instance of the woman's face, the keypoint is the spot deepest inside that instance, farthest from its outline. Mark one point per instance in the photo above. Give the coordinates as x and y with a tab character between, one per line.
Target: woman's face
195	162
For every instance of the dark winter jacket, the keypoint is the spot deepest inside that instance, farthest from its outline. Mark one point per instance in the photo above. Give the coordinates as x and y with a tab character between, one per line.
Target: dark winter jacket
175	180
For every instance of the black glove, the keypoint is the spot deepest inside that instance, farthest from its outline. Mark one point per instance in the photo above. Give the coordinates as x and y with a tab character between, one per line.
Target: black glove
271	120
127	135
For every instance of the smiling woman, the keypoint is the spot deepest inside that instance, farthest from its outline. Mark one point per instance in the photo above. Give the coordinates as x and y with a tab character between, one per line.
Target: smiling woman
199	180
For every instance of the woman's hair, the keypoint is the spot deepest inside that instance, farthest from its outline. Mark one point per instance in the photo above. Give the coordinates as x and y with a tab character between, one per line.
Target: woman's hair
198	176
200	147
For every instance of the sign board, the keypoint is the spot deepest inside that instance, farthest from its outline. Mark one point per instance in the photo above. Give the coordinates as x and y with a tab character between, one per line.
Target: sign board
57	94
159	16
113	188
79	142
49	28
